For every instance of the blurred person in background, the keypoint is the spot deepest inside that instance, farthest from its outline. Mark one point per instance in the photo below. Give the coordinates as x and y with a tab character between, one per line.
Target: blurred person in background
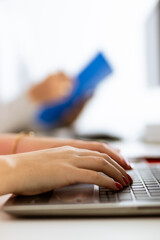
19	113
26	56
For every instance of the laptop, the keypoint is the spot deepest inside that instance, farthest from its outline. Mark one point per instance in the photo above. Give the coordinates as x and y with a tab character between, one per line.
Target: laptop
141	198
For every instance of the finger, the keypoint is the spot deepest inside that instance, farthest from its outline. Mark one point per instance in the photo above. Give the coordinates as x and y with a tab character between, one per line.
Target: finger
121	169
92	177
87	153
105	148
99	164
115	148
109	152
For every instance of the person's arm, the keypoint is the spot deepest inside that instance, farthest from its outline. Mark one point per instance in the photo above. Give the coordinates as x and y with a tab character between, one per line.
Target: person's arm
32	143
17	114
41	171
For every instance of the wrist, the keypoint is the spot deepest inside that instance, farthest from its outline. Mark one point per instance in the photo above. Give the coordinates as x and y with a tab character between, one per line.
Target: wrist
8	174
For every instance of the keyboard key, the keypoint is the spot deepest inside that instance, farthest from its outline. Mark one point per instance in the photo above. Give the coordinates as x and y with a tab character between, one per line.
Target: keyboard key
155	193
142	197
124	196
145	187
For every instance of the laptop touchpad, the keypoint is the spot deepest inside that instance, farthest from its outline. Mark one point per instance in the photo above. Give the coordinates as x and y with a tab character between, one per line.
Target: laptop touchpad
78	193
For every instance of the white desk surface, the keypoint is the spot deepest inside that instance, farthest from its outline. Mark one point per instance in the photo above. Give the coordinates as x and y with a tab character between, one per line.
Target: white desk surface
78	228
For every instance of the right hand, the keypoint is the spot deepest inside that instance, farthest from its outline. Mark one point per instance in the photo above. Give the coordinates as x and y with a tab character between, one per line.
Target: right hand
45	170
54	88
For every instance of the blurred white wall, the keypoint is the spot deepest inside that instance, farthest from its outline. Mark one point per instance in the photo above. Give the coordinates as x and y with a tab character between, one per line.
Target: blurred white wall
38	37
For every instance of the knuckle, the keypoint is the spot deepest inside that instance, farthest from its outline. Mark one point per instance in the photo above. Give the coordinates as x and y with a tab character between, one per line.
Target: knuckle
102	144
119	175
112	182
69	149
122	170
106	156
102	161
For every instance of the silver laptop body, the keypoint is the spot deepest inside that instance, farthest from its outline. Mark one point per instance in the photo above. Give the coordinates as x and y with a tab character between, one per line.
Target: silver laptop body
142	198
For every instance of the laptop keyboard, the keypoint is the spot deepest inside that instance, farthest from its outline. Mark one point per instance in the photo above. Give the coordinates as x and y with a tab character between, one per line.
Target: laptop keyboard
146	186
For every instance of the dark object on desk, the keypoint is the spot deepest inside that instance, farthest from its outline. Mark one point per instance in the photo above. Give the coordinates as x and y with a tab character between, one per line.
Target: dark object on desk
98	137
152	160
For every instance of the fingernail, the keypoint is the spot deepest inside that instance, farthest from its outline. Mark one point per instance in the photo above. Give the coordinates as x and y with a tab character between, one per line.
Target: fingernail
130	179
125	180
132	166
129	166
118	185
127	163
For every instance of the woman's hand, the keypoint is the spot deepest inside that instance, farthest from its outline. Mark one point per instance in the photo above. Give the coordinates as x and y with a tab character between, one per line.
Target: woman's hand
54	88
41	171
102	147
32	143
27	144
